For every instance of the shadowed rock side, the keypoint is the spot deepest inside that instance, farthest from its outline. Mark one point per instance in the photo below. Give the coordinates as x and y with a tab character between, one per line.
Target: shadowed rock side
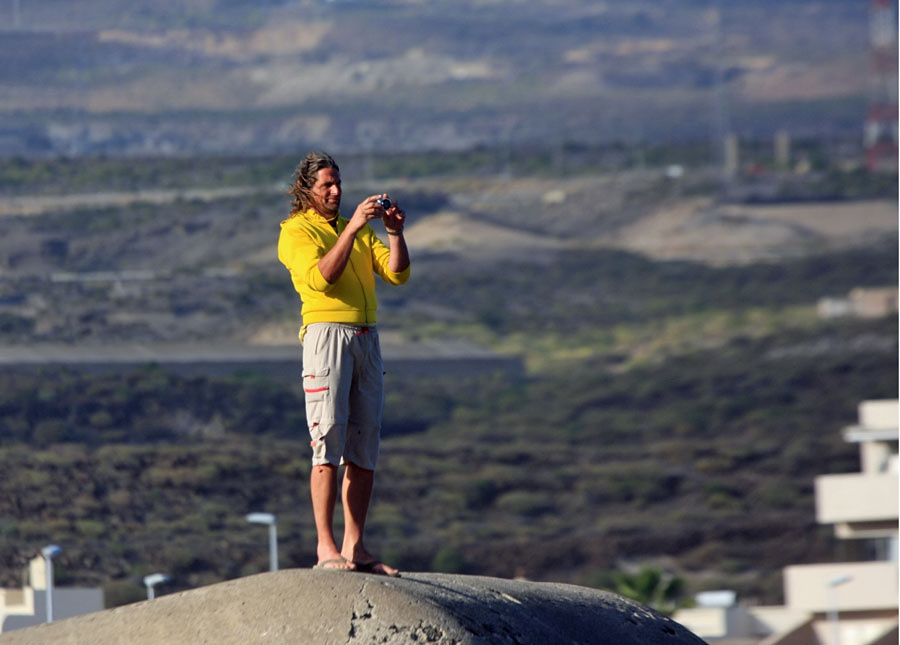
300	606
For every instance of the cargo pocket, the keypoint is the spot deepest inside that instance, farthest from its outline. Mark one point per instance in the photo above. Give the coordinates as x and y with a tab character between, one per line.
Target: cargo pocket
316	391
316	385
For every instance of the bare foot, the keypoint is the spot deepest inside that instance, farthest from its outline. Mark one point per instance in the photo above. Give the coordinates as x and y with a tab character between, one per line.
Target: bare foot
338	564
377	567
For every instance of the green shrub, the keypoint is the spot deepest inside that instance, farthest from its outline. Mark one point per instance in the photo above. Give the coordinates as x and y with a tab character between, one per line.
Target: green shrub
448	560
90	528
525	503
480	493
122	592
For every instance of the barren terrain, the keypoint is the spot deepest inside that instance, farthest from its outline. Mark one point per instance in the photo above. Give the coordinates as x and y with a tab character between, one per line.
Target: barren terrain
703	231
532	219
132	78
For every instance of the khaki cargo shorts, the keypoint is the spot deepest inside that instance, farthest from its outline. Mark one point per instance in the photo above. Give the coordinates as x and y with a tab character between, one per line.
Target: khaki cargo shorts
343	382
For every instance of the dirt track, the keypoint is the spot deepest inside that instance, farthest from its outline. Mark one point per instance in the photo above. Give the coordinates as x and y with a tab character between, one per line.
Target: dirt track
690	229
33	205
735	234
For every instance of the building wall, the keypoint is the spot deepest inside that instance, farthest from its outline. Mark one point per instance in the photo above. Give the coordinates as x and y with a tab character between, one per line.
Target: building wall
68	602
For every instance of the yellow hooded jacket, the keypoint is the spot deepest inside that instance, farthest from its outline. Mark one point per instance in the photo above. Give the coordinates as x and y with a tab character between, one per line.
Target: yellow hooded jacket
305	238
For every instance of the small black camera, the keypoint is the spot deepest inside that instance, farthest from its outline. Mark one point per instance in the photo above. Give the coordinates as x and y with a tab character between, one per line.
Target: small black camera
385	203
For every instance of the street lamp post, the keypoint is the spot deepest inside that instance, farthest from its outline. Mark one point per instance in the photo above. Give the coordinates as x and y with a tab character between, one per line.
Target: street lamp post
49	552
833	584
271	522
151	581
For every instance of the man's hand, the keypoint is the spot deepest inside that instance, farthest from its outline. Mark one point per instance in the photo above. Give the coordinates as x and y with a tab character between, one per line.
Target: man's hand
367	210
393	218
334	262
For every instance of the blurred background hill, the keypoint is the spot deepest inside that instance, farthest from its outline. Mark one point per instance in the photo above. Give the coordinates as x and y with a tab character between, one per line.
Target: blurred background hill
389	75
667	379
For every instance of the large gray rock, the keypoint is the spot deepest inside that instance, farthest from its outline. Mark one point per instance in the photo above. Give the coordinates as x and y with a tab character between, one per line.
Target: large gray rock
300	606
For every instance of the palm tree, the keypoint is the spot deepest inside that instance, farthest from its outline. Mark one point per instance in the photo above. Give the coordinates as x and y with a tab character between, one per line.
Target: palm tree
651	586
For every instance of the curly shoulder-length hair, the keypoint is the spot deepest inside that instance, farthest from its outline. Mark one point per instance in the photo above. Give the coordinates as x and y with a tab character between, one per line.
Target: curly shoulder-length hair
305	177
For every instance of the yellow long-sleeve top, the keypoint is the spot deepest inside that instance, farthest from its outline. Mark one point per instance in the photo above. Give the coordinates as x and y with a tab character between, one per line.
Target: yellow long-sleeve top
305	238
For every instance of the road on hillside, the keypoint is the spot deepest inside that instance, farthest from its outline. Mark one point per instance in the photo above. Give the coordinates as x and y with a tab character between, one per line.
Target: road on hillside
219	359
31	205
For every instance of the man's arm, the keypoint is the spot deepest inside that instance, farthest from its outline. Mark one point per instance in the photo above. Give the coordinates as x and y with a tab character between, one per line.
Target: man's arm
333	263
394	220
399	258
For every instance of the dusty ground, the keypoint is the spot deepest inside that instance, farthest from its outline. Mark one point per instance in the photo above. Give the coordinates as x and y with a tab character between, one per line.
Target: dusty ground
531	219
469	235
691	229
735	234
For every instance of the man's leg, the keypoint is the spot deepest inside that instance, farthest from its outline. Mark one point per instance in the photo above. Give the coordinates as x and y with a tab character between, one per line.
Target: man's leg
323	490
356	495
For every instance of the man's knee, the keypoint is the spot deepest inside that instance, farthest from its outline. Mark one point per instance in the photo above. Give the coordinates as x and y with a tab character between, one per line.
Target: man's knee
354	467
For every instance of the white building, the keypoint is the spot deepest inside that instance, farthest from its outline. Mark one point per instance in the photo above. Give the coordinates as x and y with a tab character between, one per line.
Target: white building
847	603
27	606
861	302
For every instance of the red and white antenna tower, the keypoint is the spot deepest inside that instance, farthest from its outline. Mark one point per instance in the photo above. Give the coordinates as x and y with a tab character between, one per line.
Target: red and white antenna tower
880	133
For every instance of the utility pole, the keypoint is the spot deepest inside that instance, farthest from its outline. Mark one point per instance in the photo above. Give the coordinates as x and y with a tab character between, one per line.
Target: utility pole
880	132
49	552
725	143
271	521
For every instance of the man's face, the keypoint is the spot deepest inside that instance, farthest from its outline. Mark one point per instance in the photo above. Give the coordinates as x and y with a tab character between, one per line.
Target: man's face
326	192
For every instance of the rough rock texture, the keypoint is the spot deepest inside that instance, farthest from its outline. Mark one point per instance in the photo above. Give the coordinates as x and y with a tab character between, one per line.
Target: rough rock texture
313	606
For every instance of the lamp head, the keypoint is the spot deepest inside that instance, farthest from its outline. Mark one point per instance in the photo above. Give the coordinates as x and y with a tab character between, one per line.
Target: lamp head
835	582
261	518
51	551
155	579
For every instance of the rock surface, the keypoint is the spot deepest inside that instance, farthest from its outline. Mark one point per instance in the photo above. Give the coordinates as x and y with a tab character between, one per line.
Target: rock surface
300	606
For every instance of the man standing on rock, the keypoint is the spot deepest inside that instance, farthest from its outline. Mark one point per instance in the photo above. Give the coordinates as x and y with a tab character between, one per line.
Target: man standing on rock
333	263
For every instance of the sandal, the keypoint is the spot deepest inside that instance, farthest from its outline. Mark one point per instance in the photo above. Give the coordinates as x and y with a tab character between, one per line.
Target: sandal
373	567
324	564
